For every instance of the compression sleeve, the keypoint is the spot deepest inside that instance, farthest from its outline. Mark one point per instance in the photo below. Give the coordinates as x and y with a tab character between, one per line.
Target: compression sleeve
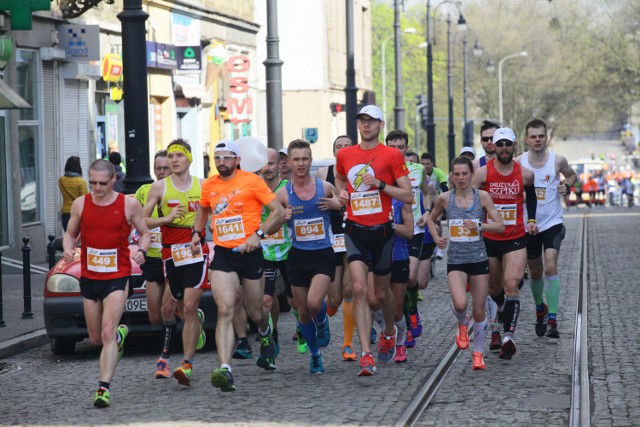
444	187
531	201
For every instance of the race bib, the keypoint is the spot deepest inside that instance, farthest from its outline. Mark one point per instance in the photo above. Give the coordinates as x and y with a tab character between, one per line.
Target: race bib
541	193
230	228
102	260
276	238
338	243
366	202
458	232
156	238
508	213
181	254
309	229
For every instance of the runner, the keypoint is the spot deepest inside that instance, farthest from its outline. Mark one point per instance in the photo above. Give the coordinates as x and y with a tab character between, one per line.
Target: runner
547	167
441	181
311	263
176	198
103	218
487	129
467	209
368	176
235	199
506	181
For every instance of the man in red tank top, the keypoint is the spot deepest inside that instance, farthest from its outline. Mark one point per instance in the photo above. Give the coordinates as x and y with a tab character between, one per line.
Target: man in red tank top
506	181
103	218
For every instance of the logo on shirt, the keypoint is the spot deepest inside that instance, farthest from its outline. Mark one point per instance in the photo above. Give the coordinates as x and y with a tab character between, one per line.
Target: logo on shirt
504	189
355	175
223	202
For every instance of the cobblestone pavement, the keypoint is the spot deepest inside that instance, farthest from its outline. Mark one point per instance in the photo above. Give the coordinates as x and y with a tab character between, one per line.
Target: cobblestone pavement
533	388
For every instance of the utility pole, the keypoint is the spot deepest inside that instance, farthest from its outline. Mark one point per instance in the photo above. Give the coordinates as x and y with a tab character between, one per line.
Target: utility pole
351	91
273	66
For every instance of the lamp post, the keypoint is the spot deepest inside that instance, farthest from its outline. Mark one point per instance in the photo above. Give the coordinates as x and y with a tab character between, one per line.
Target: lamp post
451	135
467	133
515	55
409	30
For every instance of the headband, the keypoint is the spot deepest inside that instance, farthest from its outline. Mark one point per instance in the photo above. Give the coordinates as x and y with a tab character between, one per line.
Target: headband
179	148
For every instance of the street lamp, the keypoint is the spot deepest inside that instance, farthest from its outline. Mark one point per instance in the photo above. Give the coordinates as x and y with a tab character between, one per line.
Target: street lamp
409	30
467	133
515	55
451	135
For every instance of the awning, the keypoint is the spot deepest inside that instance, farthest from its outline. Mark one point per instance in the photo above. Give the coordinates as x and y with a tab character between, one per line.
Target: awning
9	99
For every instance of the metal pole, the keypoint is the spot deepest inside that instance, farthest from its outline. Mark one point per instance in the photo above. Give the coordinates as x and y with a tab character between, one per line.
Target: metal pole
26	278
384	81
431	126
451	136
467	141
398	109
273	66
2	323
51	251
136	96
351	90
515	55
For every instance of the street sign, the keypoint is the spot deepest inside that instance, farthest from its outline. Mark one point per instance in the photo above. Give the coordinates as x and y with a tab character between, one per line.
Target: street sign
21	11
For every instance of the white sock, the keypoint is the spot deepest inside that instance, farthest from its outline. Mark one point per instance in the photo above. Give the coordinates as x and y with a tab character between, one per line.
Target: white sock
479	329
401	326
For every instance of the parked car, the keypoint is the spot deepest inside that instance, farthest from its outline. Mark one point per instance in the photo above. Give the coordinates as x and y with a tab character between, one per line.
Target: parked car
64	316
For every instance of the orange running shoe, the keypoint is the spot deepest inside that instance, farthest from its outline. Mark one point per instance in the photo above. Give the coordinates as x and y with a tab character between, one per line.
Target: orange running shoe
367	365
348	353
162	369
478	361
462	339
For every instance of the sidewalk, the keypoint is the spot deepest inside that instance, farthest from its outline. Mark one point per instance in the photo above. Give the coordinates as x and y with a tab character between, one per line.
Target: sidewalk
20	334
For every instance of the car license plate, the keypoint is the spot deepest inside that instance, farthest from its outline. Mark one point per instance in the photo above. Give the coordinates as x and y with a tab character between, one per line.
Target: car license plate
136	304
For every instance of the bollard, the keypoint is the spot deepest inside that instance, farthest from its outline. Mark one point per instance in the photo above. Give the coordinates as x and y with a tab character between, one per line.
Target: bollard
51	251
26	278
1	306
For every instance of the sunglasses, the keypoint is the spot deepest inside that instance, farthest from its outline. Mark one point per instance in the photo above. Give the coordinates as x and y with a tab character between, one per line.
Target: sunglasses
502	143
102	183
486	138
223	158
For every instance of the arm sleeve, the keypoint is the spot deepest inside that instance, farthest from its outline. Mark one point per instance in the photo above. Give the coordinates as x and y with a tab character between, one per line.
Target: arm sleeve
444	187
531	201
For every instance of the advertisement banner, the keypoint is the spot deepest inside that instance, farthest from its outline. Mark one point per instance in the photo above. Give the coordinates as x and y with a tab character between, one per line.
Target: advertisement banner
81	43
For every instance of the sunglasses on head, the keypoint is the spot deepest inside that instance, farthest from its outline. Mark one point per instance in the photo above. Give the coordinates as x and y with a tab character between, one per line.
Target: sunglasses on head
503	142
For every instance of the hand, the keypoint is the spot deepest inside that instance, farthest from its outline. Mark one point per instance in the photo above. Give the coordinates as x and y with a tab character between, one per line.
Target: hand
333	202
441	242
562	190
139	257
532	228
69	255
422	221
288	212
195	244
344	197
251	244
470	225
370	180
176	213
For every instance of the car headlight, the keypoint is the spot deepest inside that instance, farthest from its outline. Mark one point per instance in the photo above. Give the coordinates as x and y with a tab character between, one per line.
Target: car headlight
63	283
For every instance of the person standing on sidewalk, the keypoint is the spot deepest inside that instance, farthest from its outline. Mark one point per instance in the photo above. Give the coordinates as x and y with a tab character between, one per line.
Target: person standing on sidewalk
368	176
103	218
470	212
547	167
235	199
507	183
72	185
177	197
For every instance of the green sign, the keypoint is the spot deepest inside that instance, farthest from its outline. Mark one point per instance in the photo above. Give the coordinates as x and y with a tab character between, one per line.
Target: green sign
21	11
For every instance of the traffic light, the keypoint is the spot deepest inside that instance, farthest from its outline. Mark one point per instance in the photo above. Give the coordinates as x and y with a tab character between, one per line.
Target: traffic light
424	121
337	108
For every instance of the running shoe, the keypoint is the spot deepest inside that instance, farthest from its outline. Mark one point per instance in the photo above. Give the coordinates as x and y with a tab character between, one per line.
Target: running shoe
162	368
553	329
387	347
267	346
102	398
420	297
243	349
508	349
374	336
123	331
221	378
348	353
367	365
410	341
275	340
541	321
401	354
462	339
267	364
478	361
315	364
415	324
202	338
496	342
521	284
302	344
183	374
330	310
323	333
439	254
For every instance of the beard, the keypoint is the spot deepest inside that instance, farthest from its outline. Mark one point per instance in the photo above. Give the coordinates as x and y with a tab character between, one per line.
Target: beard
226	171
505	158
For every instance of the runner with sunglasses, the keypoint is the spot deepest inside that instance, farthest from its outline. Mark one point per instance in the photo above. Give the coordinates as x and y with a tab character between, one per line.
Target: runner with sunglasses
507	182
486	140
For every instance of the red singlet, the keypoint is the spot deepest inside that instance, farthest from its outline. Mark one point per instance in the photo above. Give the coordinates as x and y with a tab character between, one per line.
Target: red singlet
507	193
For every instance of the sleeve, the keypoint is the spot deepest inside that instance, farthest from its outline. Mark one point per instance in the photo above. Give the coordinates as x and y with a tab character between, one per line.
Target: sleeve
442	177
398	165
339	166
263	193
204	201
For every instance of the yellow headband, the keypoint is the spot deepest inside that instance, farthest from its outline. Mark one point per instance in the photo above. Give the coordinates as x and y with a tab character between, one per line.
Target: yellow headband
179	148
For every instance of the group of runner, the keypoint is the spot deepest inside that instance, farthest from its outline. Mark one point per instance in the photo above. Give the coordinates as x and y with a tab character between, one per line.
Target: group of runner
353	236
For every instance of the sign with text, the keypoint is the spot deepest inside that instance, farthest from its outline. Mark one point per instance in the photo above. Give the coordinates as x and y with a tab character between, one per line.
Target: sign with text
81	43
189	58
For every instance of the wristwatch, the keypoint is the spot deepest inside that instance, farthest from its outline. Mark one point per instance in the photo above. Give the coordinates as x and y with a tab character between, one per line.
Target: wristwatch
198	232
260	233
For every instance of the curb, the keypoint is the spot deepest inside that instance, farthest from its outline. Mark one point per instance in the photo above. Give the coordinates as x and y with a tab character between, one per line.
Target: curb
23	343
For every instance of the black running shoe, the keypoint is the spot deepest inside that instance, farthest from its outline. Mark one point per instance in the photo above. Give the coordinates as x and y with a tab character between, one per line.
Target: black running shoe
496	343
267	346
508	350
553	329
541	322
242	350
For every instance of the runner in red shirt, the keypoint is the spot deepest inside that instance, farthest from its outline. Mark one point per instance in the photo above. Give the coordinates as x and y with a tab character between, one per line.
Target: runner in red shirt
368	176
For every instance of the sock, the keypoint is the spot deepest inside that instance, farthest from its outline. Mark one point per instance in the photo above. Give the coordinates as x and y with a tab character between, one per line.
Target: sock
296	314
168	329
349	322
309	334
331	311
511	313
275	336
379	318
462	316
102	384
537	286
499	299
405	308
321	317
480	332
413	299
552	291
225	366
401	326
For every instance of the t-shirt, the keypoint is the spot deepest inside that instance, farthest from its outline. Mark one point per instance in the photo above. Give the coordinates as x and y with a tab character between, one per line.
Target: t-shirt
438	175
236	206
369	206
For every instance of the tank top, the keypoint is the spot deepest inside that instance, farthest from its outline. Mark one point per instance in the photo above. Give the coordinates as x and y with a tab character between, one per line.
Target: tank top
156	233
400	247
465	246
416	175
276	246
549	209
507	193
311	226
428	239
105	234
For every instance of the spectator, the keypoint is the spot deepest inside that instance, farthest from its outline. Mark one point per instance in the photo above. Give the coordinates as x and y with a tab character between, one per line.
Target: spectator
115	158
72	186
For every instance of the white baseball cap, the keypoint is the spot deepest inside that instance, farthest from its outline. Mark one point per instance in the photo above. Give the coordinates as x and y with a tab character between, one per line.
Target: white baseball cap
226	145
371	111
468	150
504	133
284	151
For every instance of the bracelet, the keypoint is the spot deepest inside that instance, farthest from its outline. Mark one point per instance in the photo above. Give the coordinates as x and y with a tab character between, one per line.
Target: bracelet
194	232
382	185
531	221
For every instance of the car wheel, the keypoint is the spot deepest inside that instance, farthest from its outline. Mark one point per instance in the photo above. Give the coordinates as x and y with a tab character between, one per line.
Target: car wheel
63	346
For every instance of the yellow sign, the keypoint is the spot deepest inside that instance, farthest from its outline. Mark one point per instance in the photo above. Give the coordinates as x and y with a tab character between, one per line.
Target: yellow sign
111	67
